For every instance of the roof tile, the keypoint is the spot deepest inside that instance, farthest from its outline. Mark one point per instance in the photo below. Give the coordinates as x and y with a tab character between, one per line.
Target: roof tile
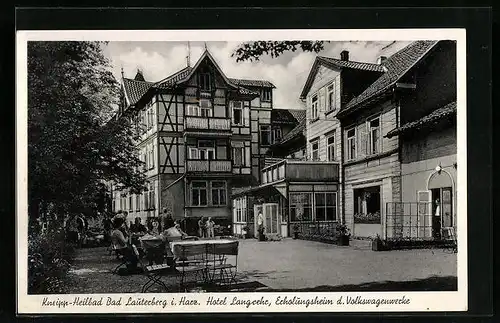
397	65
135	89
447	110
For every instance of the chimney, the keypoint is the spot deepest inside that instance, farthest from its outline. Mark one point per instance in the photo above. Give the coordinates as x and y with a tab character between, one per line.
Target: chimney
344	55
381	59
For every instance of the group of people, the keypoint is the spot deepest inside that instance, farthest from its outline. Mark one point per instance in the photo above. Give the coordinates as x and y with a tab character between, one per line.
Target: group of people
206	228
123	236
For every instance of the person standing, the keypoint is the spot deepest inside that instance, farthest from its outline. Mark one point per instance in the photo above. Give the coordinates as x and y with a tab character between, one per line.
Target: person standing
210	227
436	220
201	227
168	219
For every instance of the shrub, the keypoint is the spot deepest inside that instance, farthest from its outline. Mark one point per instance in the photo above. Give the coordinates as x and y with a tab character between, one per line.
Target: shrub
49	257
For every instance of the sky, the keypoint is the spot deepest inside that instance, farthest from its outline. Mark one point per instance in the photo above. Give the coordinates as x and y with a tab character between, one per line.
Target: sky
288	72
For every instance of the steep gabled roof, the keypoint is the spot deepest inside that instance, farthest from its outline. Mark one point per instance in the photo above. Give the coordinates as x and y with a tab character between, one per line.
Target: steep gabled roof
397	66
298	114
337	64
252	83
295	132
286	116
436	115
134	90
169	81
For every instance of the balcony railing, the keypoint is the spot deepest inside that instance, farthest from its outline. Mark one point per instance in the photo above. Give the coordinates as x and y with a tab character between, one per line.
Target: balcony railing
299	170
213	166
207	123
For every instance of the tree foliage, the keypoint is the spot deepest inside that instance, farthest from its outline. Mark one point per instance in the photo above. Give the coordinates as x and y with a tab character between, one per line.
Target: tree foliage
74	144
252	51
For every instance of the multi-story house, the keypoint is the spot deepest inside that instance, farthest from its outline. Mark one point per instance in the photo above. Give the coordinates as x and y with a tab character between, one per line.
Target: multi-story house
388	166
203	134
331	84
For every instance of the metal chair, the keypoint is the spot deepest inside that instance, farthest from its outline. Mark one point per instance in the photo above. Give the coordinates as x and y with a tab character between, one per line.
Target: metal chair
224	262
152	272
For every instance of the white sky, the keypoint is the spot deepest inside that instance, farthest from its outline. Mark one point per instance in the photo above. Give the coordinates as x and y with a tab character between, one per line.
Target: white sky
288	72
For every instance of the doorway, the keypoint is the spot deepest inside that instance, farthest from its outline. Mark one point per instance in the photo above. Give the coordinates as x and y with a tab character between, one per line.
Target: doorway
267	214
441	211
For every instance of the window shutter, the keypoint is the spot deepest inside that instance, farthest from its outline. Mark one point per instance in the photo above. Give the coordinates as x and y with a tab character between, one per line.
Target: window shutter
246	116
363	138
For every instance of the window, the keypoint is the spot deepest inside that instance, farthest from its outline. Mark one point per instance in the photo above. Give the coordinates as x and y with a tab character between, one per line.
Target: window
330	145
137	202
206	149
325	206
276	134
367	205
218	193
265	94
330	90
199	193
237	112
238	156
351	144
314	107
300	206
204	81
265	135
240	209
193	110
130	203
205	108
315	150
151	158
374	127
153	197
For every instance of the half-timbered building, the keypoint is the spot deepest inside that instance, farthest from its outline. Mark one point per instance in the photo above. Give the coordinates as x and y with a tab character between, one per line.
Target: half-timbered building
203	134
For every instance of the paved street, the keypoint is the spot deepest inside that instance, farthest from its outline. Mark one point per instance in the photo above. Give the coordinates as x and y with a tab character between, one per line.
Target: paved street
290	264
296	264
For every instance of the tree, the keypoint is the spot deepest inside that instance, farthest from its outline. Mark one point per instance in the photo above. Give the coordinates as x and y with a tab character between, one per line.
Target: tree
75	145
252	51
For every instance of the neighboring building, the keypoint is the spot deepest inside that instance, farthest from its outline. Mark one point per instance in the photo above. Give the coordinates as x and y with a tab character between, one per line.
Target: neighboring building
388	166
203	134
331	84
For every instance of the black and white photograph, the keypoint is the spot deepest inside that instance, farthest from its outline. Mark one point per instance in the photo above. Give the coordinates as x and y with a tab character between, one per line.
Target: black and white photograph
228	173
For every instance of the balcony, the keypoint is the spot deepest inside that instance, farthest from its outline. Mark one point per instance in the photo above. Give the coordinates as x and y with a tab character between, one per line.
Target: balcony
209	166
207	123
301	171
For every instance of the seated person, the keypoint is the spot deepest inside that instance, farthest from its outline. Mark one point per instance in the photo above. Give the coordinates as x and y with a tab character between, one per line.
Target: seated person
154	228
138	227
120	244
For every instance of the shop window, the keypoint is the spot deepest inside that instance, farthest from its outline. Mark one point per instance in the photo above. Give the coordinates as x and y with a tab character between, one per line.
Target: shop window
367	205
325	206
300	206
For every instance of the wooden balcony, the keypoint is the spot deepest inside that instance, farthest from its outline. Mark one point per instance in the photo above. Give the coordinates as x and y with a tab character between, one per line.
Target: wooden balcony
208	166
301	171
207	123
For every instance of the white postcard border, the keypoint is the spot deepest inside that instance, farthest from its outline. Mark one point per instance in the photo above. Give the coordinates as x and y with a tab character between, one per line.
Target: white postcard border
419	301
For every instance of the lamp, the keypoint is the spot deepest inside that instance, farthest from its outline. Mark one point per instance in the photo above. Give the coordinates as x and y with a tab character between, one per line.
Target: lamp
438	168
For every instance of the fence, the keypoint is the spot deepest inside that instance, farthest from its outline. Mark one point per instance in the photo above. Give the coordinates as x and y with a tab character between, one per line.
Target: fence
414	221
315	230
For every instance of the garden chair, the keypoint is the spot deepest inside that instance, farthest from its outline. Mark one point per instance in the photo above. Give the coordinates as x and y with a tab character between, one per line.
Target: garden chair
121	256
152	272
191	261
223	263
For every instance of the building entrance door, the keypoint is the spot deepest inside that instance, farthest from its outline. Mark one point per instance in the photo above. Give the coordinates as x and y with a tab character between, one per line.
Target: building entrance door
267	215
441	211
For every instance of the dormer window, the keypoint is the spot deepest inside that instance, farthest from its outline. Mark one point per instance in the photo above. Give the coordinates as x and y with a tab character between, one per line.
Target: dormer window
265	95
205	84
314	107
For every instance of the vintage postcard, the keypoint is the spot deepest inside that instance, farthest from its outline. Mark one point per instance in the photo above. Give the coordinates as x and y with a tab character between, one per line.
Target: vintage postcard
197	171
